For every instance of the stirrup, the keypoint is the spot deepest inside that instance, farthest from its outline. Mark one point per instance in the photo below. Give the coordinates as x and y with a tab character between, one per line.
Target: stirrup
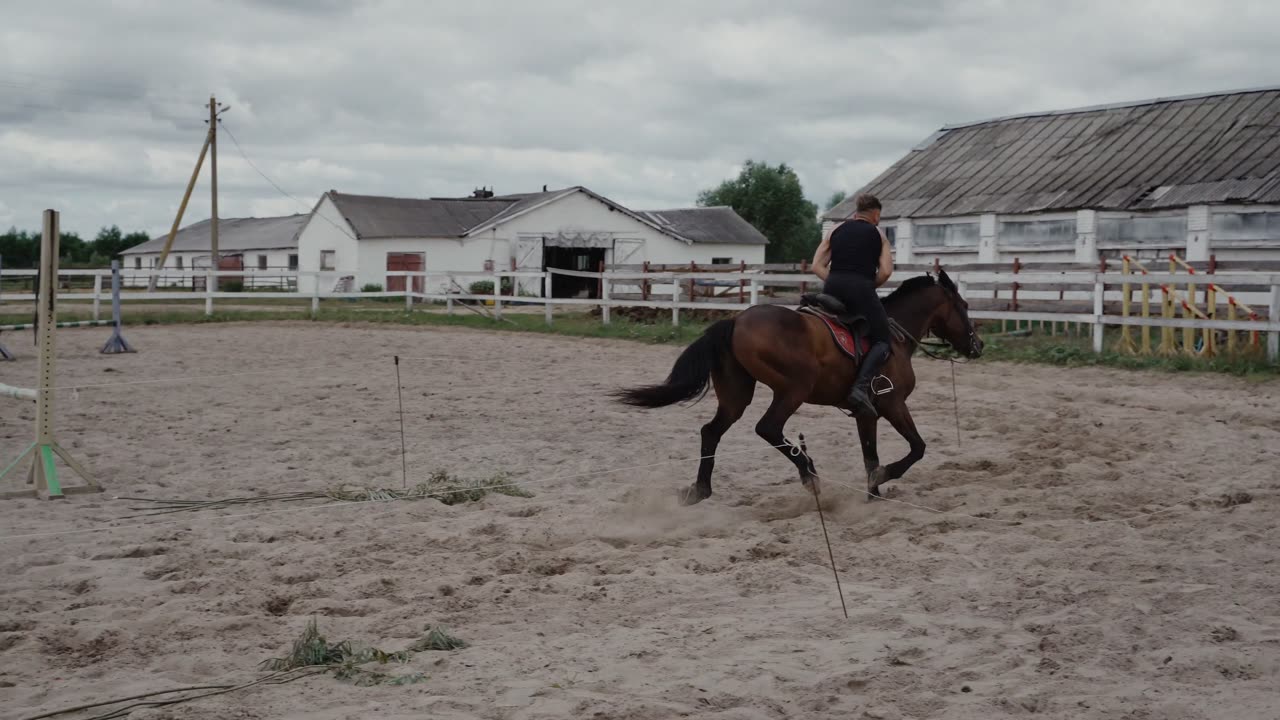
883	391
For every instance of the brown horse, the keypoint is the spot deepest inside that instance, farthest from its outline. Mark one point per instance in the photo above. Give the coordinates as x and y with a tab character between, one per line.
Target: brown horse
794	353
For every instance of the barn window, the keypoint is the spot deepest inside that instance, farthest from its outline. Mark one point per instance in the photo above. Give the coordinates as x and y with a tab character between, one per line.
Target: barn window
178	261
891	232
293	262
1160	230
1037	233
1245	226
326	259
137	263
947	235
262	262
721	261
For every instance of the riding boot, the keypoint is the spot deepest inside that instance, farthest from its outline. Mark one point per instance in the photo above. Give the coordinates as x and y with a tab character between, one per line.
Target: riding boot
860	396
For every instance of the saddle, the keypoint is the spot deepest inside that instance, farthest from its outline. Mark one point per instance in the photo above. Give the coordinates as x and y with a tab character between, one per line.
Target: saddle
848	330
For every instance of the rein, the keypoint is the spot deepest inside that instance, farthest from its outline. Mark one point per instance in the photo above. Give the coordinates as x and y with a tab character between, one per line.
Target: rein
902	334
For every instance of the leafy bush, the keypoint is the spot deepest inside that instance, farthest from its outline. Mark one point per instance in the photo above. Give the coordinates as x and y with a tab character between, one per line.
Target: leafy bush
371	287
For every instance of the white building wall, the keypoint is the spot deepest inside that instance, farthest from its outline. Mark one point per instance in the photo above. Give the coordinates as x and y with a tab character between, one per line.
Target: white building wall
277	264
439	255
318	235
578	213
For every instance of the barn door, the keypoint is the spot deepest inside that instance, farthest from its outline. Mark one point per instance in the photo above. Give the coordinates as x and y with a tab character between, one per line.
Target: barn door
626	251
232	262
404	262
528	257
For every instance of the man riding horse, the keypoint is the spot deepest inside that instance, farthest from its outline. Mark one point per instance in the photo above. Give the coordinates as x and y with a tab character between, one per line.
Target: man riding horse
853	260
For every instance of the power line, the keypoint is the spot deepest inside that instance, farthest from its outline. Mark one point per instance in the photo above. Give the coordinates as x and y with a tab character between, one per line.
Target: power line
282	191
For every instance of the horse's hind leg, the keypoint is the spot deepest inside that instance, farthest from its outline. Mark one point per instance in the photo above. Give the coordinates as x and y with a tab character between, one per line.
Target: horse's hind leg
785	403
734	390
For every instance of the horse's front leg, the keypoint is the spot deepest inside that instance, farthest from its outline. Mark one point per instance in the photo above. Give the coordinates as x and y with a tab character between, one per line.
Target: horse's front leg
900	417
877	474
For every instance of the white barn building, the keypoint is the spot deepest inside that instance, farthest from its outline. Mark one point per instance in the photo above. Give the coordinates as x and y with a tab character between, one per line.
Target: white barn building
1196	175
266	247
363	237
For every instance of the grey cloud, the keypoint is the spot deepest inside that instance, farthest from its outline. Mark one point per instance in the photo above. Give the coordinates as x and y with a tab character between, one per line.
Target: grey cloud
645	102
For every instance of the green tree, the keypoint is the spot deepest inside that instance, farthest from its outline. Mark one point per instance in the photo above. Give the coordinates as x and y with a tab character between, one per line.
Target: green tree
771	199
110	242
836	198
19	249
72	250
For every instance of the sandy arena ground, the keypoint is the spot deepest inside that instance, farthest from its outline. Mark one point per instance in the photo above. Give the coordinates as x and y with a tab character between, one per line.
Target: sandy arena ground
600	597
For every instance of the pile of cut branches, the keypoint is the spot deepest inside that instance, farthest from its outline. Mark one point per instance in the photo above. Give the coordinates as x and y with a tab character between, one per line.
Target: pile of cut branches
310	655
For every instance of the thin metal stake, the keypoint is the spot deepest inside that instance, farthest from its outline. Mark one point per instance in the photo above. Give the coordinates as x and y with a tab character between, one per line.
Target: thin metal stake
404	465
955	398
825	536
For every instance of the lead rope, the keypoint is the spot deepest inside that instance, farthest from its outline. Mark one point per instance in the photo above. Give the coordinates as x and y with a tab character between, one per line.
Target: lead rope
955	398
905	336
830	553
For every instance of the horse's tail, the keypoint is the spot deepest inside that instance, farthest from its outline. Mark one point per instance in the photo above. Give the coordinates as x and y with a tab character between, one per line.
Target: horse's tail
690	376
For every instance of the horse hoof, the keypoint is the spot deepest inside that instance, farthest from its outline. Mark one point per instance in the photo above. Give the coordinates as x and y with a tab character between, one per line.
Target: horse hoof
875	479
690	496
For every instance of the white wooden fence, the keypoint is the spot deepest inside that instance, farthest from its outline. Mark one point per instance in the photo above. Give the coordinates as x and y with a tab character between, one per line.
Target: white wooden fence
445	286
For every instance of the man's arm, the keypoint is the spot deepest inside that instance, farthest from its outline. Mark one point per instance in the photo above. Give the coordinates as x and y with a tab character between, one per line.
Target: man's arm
822	257
886	260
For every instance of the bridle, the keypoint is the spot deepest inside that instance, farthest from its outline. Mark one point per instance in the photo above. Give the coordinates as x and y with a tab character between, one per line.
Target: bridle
925	345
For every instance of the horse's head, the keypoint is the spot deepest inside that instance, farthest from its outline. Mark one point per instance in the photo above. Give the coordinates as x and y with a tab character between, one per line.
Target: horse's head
952	322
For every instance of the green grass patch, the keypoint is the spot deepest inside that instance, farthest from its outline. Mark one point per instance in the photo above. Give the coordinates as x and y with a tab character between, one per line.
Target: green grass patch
1072	351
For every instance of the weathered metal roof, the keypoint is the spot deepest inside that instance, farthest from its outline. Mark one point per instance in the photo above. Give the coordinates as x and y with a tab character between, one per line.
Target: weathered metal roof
1164	153
234	235
711	225
385	217
373	216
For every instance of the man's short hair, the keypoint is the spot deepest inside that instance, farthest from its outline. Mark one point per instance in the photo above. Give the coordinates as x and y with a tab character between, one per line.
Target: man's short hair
866	202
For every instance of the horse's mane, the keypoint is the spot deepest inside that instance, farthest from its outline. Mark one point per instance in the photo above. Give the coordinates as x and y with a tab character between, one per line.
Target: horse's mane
910	287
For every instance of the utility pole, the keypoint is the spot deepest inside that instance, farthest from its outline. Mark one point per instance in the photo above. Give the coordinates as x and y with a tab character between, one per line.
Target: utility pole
213	175
209	138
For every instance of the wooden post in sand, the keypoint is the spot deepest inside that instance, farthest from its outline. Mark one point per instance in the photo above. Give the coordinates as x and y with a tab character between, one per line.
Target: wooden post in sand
43	475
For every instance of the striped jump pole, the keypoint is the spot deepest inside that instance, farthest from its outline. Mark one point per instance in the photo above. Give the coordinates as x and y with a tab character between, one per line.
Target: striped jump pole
43	475
115	344
17	393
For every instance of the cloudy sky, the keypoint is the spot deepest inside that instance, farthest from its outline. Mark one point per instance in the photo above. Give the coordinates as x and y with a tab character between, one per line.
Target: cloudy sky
102	103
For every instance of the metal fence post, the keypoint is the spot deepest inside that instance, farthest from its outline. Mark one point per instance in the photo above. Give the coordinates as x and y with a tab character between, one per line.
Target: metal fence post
675	306
546	297
210	285
1273	315
604	299
497	296
1098	327
97	291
